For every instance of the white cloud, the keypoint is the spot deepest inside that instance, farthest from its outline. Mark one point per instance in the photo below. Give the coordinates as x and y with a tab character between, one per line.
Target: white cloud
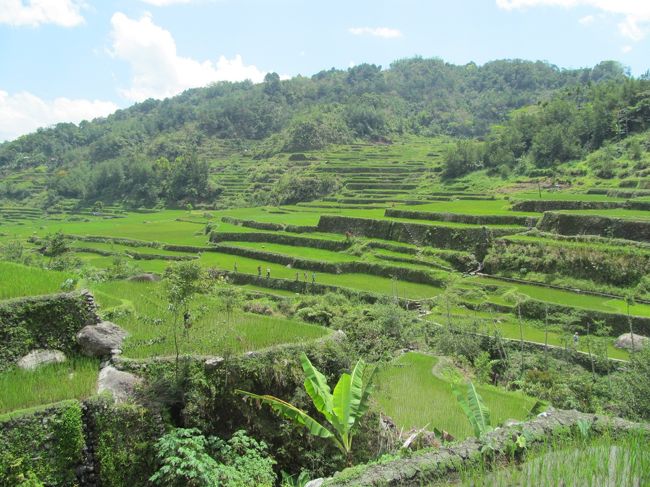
635	24
587	20
164	3
383	32
626	49
24	112
158	70
65	13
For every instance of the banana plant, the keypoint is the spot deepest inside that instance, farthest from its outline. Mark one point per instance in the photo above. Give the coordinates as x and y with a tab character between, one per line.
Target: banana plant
474	408
342	409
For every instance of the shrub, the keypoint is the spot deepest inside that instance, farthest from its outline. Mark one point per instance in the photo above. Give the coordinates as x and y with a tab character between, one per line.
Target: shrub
188	459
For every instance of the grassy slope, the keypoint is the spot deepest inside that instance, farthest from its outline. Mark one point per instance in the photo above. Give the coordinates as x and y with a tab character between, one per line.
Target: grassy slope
413	397
150	326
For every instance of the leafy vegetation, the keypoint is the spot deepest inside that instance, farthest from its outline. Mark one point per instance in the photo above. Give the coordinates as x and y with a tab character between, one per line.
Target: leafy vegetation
343	408
187	458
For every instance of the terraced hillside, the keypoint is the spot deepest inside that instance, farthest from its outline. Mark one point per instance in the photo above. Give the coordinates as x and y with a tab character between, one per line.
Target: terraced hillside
502	281
506	256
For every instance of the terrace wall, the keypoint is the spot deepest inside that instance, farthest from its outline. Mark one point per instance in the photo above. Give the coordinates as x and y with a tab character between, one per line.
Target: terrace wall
567	224
620	323
620	266
540	206
470	239
268	225
462	218
279	238
90	443
441	464
50	321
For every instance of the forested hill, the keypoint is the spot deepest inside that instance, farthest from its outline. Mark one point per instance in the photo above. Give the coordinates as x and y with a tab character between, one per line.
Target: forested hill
155	141
426	96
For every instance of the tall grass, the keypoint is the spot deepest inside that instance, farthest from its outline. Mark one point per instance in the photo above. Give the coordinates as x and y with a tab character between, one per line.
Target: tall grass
408	392
74	379
602	462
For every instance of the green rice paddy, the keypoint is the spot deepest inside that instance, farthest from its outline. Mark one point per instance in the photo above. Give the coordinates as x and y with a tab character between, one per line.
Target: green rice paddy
409	392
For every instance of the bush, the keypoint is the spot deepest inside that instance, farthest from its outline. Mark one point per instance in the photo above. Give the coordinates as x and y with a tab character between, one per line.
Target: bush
189	459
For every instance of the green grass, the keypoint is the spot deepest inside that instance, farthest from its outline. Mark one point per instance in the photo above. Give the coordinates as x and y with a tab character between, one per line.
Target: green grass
358	282
613	213
408	392
469	207
301	252
603	461
74	379
17	280
150	326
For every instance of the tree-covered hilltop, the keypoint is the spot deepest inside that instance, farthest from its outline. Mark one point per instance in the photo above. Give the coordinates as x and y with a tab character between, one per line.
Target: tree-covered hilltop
570	126
162	150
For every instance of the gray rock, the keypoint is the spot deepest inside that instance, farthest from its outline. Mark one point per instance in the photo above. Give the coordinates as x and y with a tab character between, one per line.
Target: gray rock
627	339
99	340
213	363
120	384
315	483
146	277
36	358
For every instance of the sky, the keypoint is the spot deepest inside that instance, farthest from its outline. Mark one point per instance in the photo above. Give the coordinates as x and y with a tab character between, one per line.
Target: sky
70	60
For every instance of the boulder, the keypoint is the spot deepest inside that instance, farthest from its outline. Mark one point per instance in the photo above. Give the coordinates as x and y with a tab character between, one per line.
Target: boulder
36	358
627	339
213	363
101	339
120	384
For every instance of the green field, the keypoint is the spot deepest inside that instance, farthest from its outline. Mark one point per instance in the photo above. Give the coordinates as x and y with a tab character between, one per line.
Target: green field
151	328
18	280
75	379
413	397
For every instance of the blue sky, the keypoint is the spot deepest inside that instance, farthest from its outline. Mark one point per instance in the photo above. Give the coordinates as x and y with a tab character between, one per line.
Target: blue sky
66	60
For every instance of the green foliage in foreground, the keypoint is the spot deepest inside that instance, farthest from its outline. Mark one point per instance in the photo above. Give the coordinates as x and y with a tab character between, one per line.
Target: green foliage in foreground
36	451
75	379
342	409
605	461
188	459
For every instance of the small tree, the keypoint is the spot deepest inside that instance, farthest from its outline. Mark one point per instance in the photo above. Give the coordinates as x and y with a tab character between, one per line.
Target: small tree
55	245
183	281
230	297
342	409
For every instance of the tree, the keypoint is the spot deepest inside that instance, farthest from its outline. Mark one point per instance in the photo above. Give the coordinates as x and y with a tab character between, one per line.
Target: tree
183	281
55	245
230	297
342	409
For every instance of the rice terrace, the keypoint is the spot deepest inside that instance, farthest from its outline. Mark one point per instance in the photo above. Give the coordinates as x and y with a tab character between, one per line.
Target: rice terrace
425	274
